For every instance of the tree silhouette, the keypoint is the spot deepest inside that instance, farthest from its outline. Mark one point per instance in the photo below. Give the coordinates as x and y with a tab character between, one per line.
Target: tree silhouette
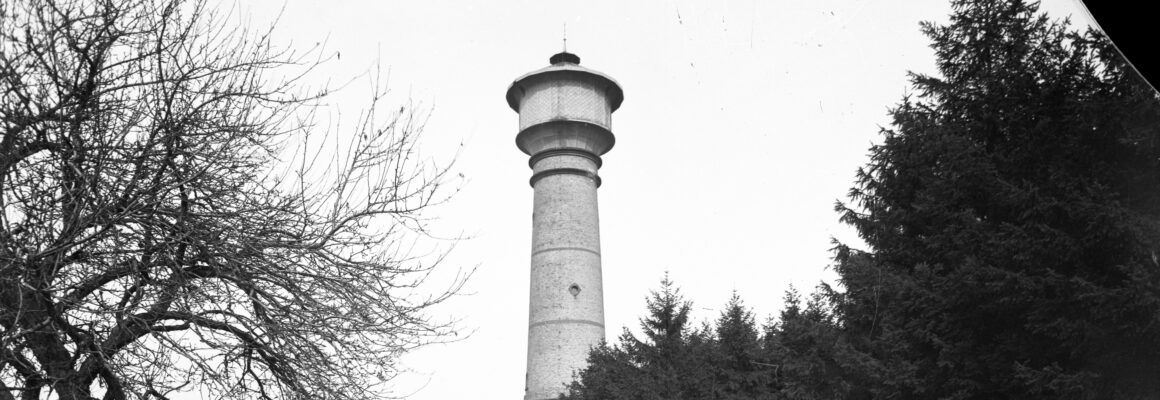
170	222
1012	215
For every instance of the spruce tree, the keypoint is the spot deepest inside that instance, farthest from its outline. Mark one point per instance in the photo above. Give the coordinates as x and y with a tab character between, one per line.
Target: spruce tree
741	371
1012	215
808	353
671	361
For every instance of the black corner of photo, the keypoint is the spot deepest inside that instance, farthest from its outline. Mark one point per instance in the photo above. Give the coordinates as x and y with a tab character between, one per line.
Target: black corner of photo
1133	28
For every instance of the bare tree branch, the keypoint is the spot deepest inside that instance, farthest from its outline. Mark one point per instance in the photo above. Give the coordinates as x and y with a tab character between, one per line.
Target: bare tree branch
170	220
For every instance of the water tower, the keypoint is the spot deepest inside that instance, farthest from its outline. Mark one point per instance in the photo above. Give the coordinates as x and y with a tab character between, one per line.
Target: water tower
565	126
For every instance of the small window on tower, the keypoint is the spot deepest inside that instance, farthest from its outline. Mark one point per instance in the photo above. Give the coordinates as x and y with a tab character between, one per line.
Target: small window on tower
574	289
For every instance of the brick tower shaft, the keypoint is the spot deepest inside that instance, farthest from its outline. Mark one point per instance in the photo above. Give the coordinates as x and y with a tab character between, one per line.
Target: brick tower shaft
566	307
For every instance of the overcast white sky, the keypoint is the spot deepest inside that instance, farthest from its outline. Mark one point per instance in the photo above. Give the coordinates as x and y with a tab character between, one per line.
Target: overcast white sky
743	122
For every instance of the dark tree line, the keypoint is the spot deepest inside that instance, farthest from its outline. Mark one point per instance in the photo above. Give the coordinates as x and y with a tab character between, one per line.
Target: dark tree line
798	355
1012	222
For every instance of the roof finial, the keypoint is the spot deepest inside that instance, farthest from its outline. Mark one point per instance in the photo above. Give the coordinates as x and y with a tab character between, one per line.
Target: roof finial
564	56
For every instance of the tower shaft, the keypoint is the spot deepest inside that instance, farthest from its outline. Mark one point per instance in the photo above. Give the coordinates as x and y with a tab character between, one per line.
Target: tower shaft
566	306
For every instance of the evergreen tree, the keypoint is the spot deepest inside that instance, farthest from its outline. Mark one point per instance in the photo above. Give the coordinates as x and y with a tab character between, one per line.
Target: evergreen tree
809	353
666	324
740	371
1013	218
670	362
611	374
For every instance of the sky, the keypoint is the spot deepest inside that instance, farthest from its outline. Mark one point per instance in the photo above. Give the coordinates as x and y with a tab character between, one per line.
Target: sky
743	123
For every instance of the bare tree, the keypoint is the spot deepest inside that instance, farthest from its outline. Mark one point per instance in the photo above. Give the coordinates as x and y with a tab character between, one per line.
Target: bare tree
169	222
